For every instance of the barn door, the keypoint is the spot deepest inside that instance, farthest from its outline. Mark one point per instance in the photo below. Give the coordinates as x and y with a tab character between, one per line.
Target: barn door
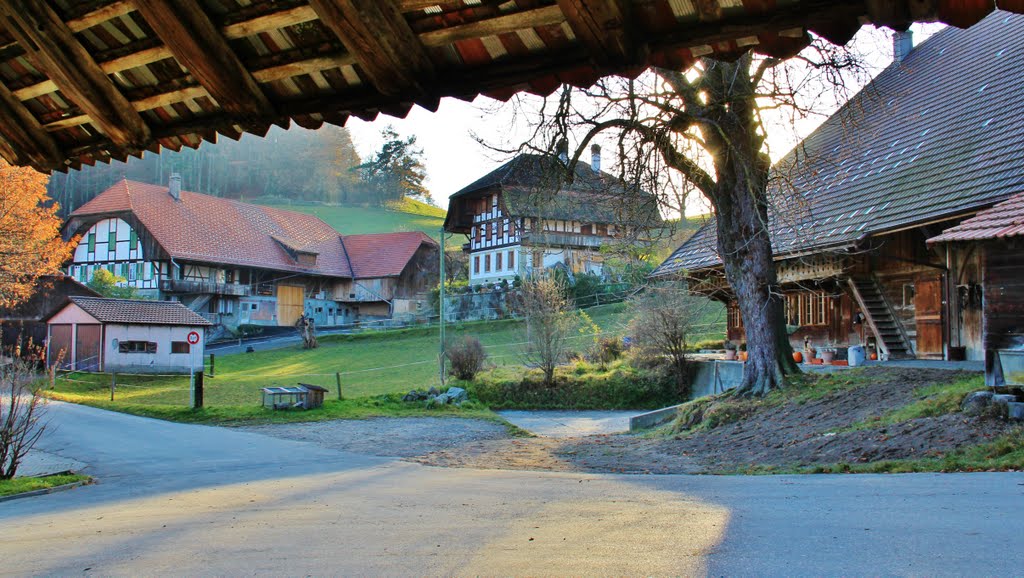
289	304
928	313
87	348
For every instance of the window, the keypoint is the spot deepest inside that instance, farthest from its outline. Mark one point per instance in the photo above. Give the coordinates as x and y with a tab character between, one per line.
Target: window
92	242
476	264
587	230
133	271
511	260
147	271
136	347
133	240
487	263
179	347
497	262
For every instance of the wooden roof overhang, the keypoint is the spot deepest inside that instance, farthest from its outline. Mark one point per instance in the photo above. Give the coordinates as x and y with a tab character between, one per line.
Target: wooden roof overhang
93	80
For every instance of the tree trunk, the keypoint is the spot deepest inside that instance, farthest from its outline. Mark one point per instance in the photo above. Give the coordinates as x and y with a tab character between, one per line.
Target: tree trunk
745	247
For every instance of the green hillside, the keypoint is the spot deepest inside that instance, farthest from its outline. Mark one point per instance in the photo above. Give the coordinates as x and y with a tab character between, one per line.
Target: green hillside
408	215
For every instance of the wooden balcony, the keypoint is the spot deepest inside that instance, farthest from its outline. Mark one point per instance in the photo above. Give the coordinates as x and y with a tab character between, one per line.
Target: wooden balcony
204	288
553	239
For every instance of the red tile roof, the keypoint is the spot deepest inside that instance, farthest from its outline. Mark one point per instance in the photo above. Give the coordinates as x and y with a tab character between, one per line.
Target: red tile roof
383	254
223	231
1005	219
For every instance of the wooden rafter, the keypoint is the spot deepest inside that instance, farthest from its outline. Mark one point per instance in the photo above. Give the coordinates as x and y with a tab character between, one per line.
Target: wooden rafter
604	26
53	48
545	16
376	33
28	142
200	48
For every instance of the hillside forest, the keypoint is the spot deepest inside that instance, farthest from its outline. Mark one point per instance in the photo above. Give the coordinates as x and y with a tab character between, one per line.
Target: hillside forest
319	166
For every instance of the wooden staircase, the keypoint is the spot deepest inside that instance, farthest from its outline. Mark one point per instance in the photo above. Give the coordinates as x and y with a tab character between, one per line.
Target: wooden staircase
889	334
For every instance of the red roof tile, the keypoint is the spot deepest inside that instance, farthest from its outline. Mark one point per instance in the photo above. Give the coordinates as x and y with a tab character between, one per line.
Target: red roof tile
383	254
224	231
1005	219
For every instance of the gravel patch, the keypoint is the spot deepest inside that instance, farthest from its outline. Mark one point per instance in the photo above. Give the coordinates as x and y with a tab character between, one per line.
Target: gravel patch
389	437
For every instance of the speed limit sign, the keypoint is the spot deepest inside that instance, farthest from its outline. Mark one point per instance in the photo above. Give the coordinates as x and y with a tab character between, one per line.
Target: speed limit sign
193	338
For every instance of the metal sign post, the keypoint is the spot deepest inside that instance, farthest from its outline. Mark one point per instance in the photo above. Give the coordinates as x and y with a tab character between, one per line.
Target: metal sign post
195	389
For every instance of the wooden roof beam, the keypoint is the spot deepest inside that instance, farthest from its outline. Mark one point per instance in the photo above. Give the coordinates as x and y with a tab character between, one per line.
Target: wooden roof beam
377	35
604	27
53	48
28	142
264	75
545	16
198	46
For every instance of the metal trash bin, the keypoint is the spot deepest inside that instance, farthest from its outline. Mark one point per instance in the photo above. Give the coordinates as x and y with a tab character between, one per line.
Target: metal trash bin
855	355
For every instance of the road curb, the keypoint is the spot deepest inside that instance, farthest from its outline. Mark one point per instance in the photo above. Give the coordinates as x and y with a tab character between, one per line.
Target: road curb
43	491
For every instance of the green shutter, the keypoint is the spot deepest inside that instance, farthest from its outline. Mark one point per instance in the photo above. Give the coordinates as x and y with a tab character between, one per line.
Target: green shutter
133	240
92	242
112	241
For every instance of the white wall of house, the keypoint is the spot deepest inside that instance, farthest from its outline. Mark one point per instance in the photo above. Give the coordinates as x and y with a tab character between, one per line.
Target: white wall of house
494	265
172	354
113	245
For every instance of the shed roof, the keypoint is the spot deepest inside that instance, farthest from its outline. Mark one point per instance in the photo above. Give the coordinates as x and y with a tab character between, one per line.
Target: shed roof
933	137
1001	221
82	82
138	312
223	231
383	254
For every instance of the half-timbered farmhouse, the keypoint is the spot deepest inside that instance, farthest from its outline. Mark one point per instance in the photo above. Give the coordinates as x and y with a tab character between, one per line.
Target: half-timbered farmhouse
528	215
236	263
935	138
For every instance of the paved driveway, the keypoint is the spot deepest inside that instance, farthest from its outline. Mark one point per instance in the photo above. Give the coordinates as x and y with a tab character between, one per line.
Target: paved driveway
562	424
192	500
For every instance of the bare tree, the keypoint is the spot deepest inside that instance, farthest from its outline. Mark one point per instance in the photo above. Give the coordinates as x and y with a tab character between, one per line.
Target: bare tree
663	324
549	323
706	125
22	406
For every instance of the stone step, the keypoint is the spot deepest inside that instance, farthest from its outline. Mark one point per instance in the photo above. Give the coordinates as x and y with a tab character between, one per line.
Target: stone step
1015	410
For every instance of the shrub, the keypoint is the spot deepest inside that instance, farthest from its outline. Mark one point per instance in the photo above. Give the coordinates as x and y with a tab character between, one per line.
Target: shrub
467	358
578	386
609	349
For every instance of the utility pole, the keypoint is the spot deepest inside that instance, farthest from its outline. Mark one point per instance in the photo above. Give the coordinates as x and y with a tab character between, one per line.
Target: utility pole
440	311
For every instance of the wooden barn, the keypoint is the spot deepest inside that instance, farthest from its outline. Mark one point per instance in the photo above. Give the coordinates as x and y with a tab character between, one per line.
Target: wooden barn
989	251
856	202
92	80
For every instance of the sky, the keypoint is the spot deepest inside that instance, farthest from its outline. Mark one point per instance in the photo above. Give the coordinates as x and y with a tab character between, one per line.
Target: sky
454	158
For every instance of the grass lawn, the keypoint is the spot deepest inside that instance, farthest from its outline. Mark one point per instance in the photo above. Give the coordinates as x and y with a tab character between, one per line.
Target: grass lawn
371	364
22	485
409	215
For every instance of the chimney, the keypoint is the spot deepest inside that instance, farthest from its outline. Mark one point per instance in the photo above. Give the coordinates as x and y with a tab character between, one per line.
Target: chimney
902	44
595	158
563	151
174	187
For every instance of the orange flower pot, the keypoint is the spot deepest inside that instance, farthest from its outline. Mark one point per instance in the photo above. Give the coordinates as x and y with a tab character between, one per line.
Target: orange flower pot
743	356
798	357
874	357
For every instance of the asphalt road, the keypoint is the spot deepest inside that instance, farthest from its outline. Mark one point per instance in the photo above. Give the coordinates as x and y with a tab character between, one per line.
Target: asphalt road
192	500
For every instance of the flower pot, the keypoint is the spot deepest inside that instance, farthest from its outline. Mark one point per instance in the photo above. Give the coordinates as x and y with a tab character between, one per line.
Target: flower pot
743	356
798	357
874	356
827	357
730	355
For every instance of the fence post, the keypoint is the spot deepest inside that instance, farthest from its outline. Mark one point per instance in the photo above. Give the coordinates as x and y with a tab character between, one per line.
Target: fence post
337	377
113	384
212	357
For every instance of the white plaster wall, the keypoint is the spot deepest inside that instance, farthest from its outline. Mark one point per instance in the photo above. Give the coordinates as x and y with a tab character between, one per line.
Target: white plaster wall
506	271
163	361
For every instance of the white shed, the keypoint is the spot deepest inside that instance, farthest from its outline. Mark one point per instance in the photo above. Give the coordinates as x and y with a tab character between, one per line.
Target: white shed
126	336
